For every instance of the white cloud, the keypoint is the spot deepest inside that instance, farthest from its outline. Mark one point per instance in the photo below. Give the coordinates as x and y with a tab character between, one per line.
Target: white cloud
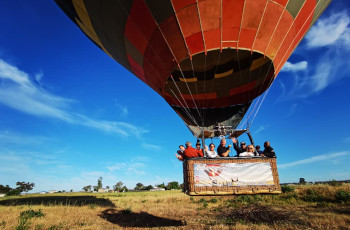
19	92
260	129
329	60
319	158
292	109
329	31
7	137
151	147
123	109
290	67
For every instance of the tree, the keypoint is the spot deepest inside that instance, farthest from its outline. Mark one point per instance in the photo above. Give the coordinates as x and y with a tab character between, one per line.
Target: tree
107	187
87	188
24	187
124	189
161	185
139	186
5	189
149	187
95	188
99	183
302	181
173	185
118	186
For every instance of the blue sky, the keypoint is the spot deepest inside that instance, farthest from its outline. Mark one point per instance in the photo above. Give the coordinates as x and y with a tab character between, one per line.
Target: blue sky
70	114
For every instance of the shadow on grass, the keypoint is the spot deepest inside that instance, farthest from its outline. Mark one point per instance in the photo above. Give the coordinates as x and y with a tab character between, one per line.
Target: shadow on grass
140	220
59	200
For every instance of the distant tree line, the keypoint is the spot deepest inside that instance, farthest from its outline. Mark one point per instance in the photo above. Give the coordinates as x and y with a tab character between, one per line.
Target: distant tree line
21	187
120	187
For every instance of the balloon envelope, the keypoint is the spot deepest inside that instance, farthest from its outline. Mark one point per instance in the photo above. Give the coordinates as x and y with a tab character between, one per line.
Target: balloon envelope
209	59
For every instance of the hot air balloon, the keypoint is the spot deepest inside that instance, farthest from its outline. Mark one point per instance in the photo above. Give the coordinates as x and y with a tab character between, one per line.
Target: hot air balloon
209	59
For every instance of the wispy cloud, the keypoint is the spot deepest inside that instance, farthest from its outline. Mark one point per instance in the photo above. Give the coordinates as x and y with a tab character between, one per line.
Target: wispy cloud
151	147
328	41
331	30
127	168
123	109
319	158
19	92
347	139
292	109
260	129
7	137
290	67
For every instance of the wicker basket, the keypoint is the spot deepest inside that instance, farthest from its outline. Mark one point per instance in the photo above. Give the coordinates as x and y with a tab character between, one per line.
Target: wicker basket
191	189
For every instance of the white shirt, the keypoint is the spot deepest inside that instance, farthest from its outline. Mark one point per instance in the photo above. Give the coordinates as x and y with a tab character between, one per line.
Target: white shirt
246	154
211	154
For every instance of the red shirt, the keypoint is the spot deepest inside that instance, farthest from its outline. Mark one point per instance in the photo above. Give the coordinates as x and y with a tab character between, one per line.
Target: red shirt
192	152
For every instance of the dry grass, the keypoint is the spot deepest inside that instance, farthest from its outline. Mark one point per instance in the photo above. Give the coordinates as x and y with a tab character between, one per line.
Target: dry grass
307	207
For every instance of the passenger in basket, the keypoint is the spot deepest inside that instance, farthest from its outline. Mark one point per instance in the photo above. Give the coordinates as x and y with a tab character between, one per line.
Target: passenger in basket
191	152
249	153
241	149
198	147
268	151
211	152
258	150
223	151
180	153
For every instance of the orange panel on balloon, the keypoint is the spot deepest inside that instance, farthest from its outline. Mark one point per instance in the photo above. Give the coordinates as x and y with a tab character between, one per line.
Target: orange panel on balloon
229	44
279	34
246	38
267	26
281	2
284	47
230	34
195	43
232	13
253	11
174	38
189	20
179	4
210	13
212	39
305	13
137	69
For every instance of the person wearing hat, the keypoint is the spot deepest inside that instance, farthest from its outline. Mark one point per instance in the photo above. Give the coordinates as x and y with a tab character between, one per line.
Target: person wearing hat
191	152
241	149
259	151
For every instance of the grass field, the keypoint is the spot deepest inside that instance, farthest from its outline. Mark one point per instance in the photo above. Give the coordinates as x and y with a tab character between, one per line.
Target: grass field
299	207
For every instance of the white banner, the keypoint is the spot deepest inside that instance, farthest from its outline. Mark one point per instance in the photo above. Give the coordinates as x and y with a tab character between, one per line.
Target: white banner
233	174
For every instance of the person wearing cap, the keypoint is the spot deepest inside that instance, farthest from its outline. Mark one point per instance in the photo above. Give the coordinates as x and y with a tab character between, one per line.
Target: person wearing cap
258	150
268	151
222	150
191	152
241	149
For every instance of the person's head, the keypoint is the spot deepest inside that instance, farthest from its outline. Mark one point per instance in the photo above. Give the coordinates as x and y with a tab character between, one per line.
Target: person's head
266	144
181	147
250	148
243	145
211	146
188	144
198	145
223	142
257	147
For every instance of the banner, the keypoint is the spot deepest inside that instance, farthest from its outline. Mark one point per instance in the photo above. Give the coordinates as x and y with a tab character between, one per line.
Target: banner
232	174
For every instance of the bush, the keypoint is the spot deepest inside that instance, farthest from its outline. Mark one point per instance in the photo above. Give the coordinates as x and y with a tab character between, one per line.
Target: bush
334	183
287	188
342	196
313	196
13	192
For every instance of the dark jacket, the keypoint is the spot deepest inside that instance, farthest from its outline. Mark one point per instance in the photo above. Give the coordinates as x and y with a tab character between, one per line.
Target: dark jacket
269	152
238	149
